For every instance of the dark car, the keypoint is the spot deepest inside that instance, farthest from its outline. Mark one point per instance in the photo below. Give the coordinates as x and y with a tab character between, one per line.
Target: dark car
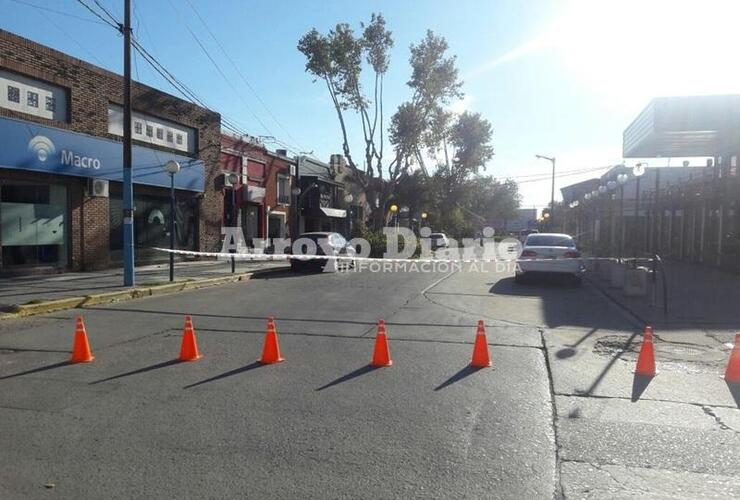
335	242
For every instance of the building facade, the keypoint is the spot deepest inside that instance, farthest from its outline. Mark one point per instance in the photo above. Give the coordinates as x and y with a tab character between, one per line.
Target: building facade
260	200
322	200
61	120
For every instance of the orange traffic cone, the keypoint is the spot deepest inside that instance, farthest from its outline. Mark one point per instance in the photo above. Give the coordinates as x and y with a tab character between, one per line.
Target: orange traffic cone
189	347
271	348
646	358
481	359
732	374
381	353
81	352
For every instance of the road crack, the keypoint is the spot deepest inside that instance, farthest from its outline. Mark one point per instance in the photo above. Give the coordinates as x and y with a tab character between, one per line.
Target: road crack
559	490
706	409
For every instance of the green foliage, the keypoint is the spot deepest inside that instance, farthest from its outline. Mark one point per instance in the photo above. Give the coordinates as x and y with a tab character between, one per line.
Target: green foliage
458	199
337	59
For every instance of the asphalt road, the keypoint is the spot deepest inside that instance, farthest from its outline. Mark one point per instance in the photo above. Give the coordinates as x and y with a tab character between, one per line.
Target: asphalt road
135	423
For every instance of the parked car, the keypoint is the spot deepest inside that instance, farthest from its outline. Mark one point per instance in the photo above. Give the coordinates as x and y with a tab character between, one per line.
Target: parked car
338	245
526	232
439	240
549	253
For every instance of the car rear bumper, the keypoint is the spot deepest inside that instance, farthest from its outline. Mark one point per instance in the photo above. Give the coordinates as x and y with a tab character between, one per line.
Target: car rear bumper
563	266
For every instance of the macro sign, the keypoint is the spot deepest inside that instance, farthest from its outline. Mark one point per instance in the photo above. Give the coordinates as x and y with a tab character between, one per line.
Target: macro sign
27	146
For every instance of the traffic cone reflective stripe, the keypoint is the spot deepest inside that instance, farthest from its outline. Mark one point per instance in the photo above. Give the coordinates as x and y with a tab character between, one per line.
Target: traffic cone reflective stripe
271	348
81	352
381	353
481	358
646	358
189	346
732	374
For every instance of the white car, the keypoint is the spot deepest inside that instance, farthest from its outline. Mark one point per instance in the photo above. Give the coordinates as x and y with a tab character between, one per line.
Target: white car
439	240
549	253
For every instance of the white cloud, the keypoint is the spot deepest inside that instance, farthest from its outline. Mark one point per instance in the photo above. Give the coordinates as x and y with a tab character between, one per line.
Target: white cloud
526	48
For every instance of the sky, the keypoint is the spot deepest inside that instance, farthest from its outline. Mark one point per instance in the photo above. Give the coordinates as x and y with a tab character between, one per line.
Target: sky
558	78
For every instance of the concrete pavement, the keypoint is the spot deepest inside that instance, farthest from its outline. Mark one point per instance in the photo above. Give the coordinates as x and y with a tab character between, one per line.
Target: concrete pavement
554	416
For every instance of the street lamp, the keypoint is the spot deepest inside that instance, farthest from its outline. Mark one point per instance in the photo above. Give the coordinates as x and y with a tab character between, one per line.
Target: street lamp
233	179
638	171
423	216
394	211
172	167
621	180
552	188
348	199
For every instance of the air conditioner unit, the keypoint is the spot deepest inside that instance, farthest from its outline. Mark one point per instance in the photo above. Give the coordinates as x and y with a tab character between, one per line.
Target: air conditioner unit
226	179
98	188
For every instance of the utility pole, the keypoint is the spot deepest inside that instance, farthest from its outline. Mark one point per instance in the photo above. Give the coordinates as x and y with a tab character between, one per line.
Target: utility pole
128	187
552	188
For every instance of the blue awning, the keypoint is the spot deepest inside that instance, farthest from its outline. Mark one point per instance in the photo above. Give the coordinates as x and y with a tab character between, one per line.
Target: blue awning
28	146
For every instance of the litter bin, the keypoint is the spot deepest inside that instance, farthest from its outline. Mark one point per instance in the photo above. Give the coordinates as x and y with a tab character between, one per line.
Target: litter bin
617	275
635	282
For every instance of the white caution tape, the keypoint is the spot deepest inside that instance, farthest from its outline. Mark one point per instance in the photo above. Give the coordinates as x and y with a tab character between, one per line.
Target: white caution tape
302	257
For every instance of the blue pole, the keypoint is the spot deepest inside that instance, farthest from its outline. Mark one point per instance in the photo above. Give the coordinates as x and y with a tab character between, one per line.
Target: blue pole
128	187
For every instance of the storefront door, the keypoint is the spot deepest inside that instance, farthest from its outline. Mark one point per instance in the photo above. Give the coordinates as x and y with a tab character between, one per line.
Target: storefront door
32	225
250	223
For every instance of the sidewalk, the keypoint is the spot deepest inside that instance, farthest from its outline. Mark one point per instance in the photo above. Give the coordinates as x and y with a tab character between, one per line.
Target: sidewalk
36	290
698	297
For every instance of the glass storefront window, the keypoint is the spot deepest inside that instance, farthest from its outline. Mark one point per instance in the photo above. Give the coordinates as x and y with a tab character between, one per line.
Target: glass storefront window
32	222
152	220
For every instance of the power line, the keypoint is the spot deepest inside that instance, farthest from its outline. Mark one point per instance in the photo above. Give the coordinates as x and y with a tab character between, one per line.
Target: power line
107	12
55	11
218	68
570	174
177	84
96	14
241	75
549	174
74	40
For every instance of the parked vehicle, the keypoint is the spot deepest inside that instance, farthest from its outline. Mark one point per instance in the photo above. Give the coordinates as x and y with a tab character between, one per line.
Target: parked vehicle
549	253
324	241
526	232
439	240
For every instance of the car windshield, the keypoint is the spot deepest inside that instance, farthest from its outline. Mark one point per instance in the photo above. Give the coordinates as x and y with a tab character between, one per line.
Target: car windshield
369	249
546	240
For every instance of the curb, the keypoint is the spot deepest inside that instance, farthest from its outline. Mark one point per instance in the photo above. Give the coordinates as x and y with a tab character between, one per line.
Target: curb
25	310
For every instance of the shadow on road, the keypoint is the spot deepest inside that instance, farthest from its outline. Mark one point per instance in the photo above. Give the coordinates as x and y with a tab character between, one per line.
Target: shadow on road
36	370
600	377
464	372
563	304
138	370
639	384
735	391
570	351
236	371
354	374
278	319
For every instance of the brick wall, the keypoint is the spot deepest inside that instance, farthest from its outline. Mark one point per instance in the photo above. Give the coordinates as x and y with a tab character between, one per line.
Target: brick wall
90	90
274	165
